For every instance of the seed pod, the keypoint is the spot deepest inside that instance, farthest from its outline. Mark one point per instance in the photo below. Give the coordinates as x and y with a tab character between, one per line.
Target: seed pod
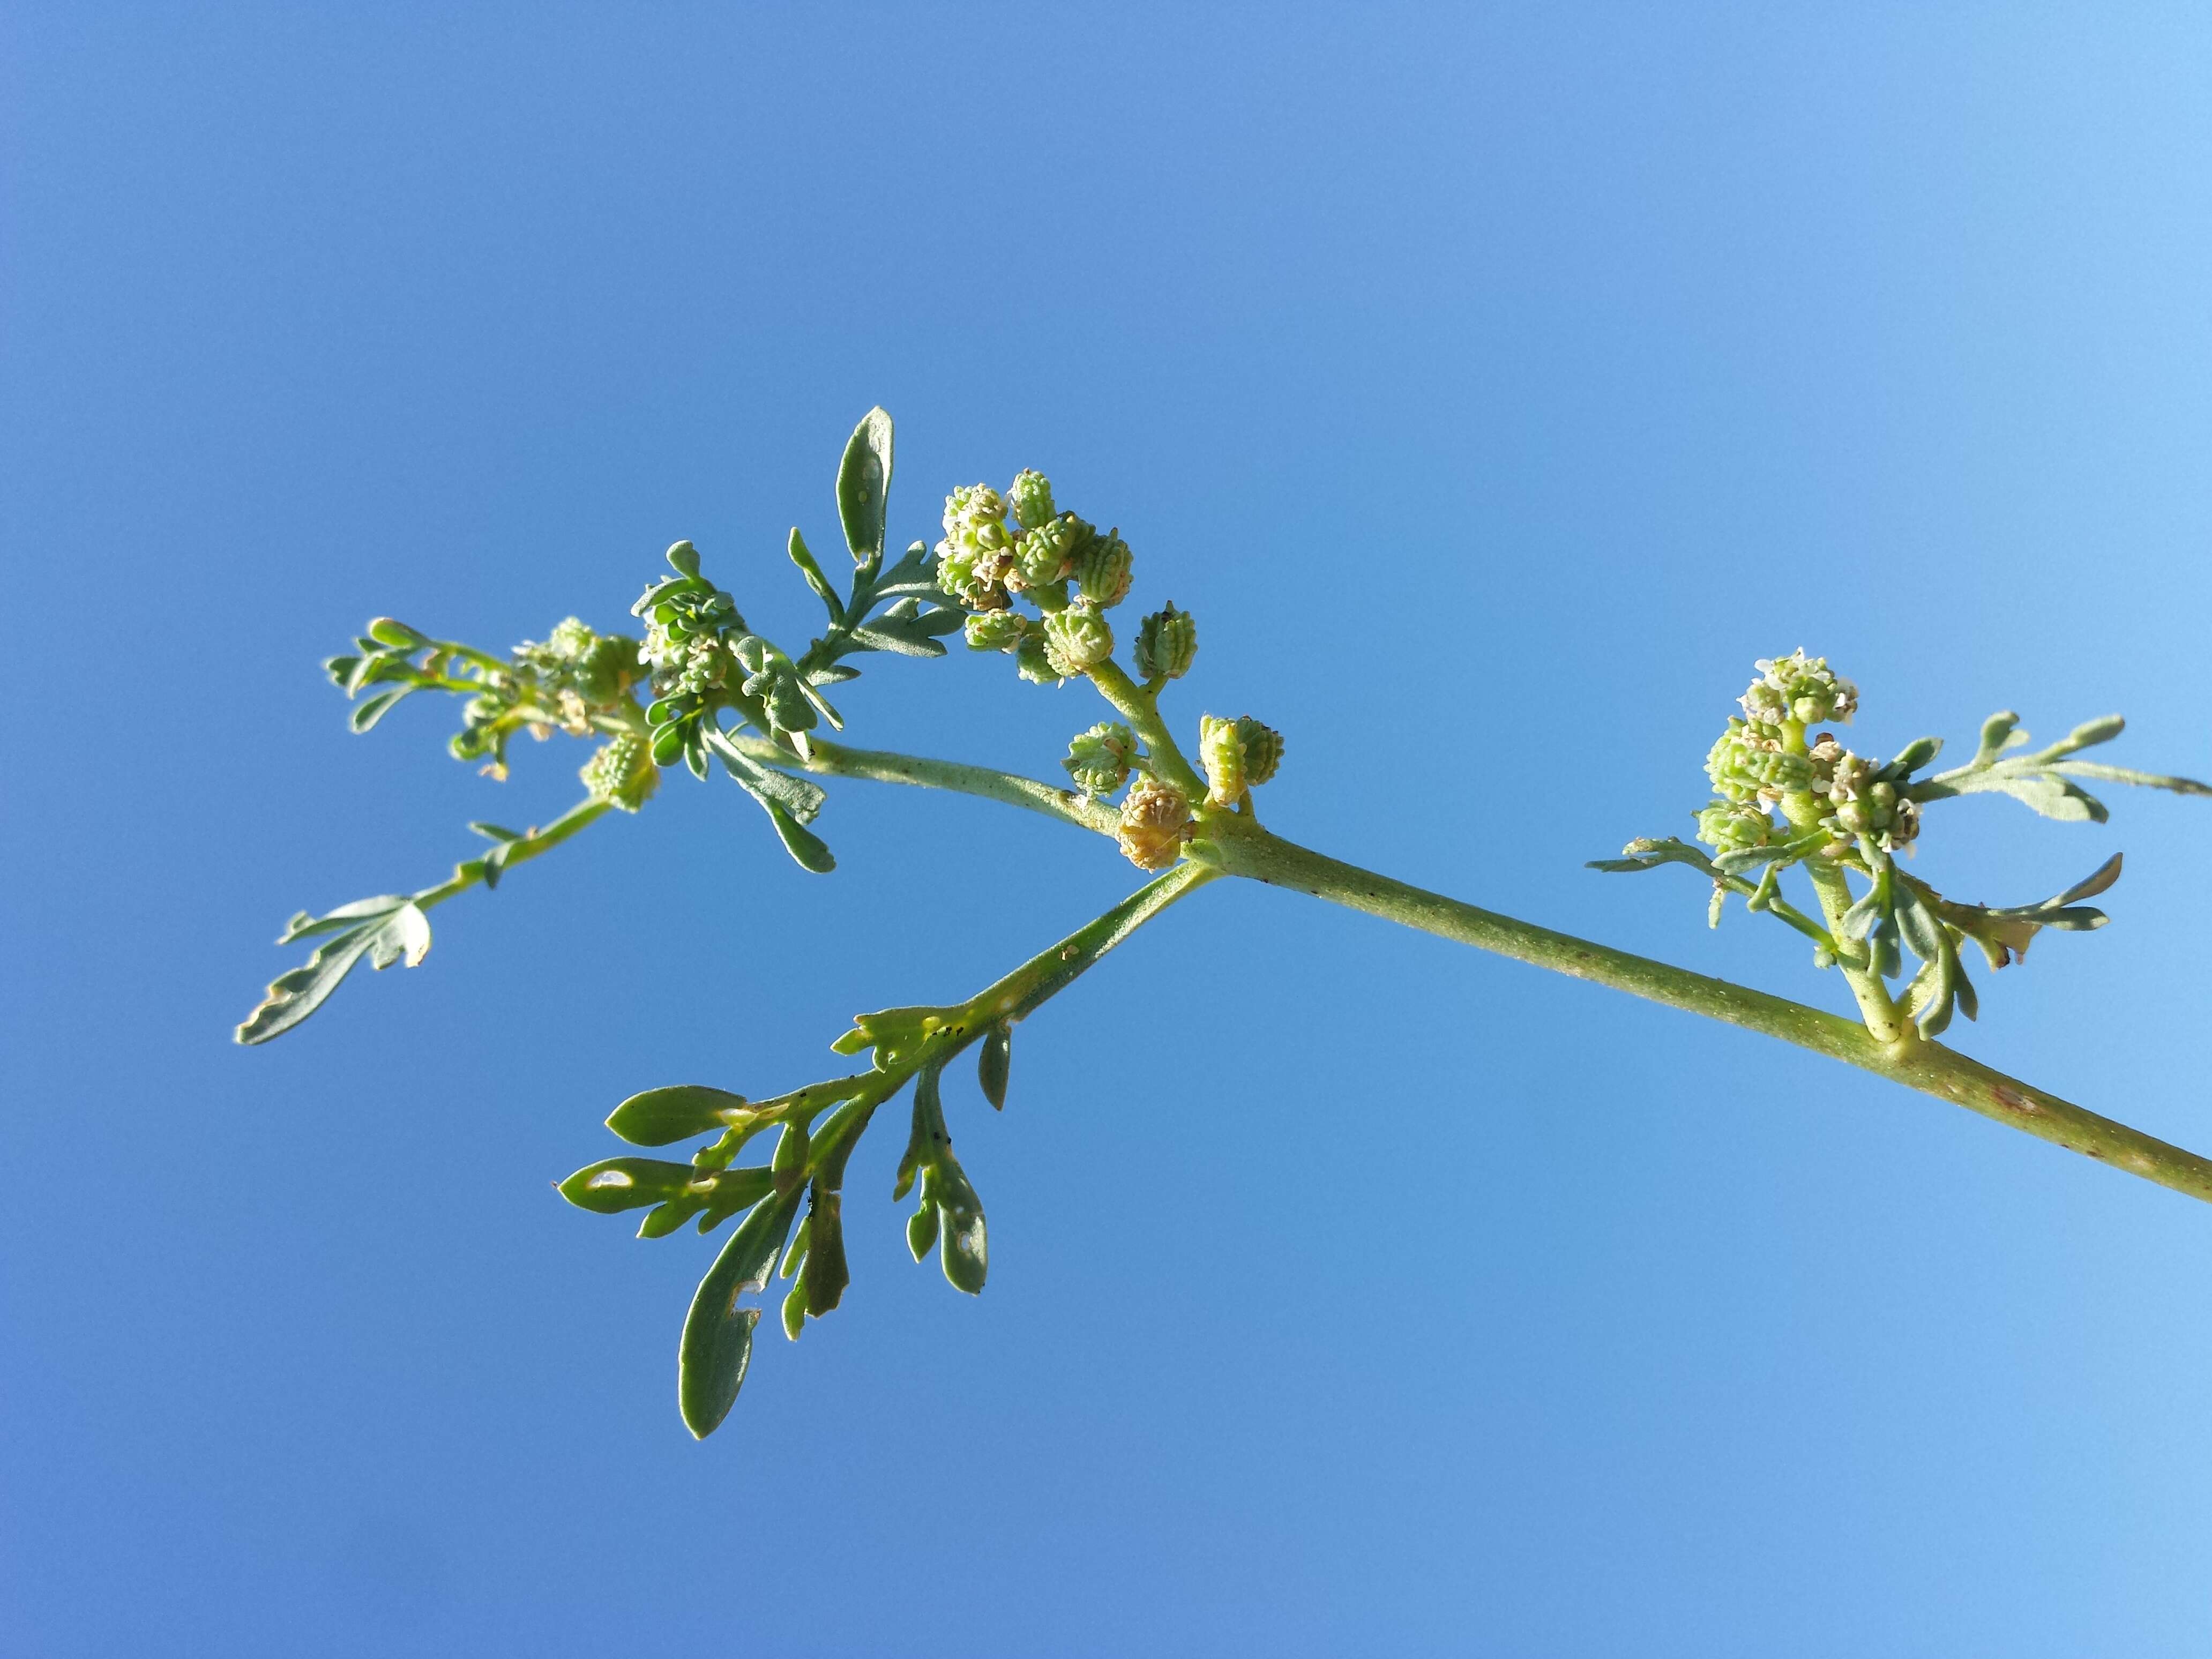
997	630
1031	495
1034	662
1047	553
1166	642
1101	571
1155	822
1263	750
1076	638
1222	755
622	772
1099	759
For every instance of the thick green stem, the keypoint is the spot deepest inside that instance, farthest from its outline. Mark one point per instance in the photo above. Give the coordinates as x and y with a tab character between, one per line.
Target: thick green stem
1923	1065
1883	1020
1238	847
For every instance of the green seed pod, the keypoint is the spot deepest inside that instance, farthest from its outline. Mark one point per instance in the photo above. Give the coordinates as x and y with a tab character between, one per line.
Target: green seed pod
1047	553
607	668
1221	752
622	772
1031	495
1745	764
1101	571
997	630
1263	750
1166	642
1099	759
1076	638
1732	827
1155	822
1034	662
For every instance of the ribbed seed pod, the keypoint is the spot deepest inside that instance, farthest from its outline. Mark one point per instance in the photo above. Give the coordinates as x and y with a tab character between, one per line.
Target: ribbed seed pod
1031	495
1166	642
1076	638
1237	754
1732	827
1745	765
1047	553
1263	750
1155	822
622	772
1101	571
1033	661
1221	752
1098	760
997	630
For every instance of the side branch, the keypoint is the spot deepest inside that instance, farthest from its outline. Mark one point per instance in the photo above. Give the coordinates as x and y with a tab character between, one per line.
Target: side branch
837	760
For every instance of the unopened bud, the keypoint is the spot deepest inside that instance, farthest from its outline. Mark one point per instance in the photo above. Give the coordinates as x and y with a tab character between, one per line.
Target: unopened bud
997	630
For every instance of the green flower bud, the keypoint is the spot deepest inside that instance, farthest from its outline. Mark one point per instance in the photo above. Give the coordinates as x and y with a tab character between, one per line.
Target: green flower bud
969	509
1800	687
1099	759
1868	807
1733	828
607	668
1745	764
1076	638
1237	754
1101	571
1047	553
1155	822
622	772
1031	495
997	630
1166	642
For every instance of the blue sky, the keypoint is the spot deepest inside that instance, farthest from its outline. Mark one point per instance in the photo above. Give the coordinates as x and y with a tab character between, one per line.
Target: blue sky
1493	383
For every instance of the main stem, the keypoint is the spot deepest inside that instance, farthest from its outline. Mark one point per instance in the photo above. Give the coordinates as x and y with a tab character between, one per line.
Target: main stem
1234	846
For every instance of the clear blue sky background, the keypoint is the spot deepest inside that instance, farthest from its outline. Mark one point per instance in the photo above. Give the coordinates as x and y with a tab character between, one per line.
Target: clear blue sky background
1493	383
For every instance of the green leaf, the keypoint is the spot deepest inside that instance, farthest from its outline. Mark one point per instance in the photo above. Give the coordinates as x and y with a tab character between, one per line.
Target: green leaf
864	481
718	1335
404	937
807	567
390	630
736	1190
366	714
1997	736
825	1274
660	1117
963	1252
683	560
921	1232
900	635
292	997
616	1184
992	1063
802	843
795	1311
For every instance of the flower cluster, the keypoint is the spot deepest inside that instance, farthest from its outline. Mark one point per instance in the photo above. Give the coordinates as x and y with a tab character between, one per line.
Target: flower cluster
575	681
998	548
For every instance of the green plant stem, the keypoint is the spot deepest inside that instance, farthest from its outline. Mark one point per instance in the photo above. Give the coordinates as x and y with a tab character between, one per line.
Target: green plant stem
536	843
1238	848
1140	708
838	760
1920	1063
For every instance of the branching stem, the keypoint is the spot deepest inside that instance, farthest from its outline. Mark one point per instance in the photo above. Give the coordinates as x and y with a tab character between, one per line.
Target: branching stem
1238	846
